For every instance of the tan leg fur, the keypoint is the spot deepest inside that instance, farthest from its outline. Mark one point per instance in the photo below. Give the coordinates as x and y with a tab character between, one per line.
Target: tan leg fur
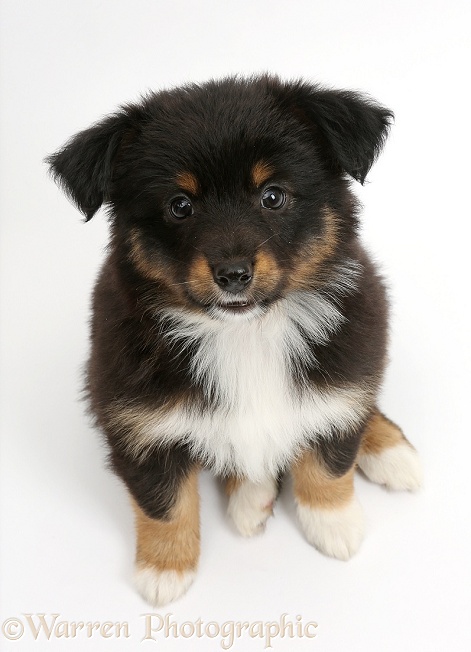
328	511
386	456
168	550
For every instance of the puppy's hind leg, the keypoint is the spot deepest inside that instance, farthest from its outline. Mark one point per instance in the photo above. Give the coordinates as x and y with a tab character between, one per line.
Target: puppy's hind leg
386	457
250	503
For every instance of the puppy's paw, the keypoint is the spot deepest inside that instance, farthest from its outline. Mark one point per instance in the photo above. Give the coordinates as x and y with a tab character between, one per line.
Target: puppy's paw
250	506
335	532
397	467
159	587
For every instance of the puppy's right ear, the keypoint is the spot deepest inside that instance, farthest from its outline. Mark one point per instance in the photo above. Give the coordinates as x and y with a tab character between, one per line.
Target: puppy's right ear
83	166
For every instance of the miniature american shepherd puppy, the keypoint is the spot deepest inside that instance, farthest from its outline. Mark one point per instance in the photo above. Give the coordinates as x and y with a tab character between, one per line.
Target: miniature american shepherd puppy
238	323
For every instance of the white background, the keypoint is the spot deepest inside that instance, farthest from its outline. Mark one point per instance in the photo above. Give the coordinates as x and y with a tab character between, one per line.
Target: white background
67	534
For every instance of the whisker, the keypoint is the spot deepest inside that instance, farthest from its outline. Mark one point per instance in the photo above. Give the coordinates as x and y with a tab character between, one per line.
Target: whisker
262	243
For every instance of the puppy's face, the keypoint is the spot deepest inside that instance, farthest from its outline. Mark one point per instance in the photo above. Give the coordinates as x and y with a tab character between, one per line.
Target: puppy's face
227	196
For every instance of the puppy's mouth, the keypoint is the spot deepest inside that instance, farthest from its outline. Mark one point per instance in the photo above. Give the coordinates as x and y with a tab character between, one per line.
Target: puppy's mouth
228	307
236	306
242	308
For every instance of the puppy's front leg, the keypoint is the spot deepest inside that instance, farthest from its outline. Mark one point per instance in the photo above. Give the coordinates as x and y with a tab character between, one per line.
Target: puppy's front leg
328	511
251	503
164	491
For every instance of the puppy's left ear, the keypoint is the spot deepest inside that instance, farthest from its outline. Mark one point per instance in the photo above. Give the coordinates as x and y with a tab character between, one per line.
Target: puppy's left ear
83	167
350	127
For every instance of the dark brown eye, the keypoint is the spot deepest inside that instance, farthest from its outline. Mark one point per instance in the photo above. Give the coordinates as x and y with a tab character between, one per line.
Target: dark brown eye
181	208
273	198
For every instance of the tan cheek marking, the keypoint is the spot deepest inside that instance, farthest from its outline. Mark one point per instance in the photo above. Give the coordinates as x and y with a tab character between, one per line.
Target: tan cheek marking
154	270
200	279
188	182
315	253
315	487
150	270
267	273
380	433
261	172
173	544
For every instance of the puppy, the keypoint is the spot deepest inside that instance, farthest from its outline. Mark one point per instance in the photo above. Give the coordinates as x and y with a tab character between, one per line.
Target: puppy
238	324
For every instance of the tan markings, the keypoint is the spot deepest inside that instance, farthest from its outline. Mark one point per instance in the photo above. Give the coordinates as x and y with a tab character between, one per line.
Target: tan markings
149	269
153	268
319	249
136	426
188	182
314	486
201	283
200	280
233	483
173	544
261	172
267	274
380	433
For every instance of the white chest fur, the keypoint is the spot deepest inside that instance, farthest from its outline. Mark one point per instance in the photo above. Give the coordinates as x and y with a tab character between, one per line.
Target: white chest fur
246	361
262	419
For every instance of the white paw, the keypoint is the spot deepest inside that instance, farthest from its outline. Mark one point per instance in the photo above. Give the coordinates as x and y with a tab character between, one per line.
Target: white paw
160	587
250	506
335	532
397	467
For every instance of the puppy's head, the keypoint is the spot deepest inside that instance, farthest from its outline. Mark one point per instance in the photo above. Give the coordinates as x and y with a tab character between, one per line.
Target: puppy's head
228	195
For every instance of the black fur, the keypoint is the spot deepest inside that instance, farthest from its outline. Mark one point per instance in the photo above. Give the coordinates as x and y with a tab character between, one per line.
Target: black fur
339	451
84	166
352	127
155	480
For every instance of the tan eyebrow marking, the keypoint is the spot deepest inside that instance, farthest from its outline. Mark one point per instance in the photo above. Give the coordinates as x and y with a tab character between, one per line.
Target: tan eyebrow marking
188	182
261	171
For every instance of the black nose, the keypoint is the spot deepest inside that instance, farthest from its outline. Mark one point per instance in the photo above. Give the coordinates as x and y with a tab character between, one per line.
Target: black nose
233	277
